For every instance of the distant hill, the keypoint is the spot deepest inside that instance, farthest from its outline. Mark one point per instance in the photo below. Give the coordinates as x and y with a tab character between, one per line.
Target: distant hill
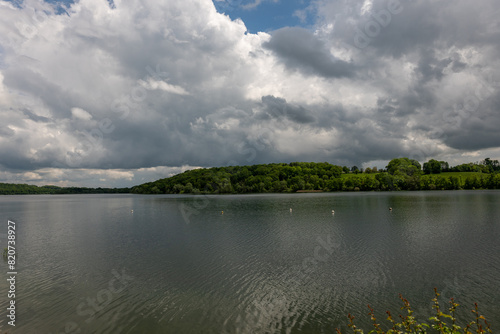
279	177
26	189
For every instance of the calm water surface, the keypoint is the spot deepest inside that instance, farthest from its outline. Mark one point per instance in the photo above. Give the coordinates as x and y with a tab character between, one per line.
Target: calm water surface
177	265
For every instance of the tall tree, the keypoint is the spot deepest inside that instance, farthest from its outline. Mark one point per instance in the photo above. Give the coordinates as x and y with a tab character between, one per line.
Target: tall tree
432	167
403	166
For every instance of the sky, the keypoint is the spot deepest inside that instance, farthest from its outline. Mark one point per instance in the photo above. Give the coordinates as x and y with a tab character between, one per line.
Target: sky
117	93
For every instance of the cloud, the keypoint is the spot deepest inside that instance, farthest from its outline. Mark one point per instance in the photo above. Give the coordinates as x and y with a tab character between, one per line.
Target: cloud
252	5
162	85
277	108
301	50
81	114
142	88
243	4
92	177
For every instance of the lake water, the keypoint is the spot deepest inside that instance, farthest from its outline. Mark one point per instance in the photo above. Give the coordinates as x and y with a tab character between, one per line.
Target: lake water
176	264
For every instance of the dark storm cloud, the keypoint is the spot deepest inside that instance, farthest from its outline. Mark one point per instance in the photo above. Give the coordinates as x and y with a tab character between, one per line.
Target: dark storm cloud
12	160
474	125
452	54
276	107
431	68
397	28
473	139
301	50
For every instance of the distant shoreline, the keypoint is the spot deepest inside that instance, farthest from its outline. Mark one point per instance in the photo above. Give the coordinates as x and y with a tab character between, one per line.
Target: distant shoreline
310	191
262	193
27	189
300	177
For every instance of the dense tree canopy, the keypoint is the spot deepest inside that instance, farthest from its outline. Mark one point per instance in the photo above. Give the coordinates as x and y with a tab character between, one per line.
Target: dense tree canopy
404	166
435	167
432	167
402	174
492	165
281	177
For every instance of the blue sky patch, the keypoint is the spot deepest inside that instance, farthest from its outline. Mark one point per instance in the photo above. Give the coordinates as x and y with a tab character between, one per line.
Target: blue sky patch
60	4
258	15
266	15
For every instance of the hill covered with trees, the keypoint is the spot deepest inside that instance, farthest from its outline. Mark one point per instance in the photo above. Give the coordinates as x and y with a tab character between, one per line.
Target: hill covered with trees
400	174
280	177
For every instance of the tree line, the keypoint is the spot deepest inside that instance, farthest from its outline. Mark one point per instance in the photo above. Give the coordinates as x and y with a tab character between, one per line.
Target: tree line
400	174
26	189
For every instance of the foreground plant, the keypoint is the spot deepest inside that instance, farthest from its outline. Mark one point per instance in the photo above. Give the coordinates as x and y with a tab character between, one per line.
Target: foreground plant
442	322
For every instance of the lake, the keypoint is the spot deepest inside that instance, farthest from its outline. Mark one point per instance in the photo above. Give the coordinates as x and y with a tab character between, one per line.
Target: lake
246	263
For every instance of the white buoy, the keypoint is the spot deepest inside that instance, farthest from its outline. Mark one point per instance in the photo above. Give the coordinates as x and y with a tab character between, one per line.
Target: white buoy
132	211
290	209
333	211
390	209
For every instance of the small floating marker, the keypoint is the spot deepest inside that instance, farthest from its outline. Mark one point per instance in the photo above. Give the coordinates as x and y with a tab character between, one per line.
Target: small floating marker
132	211
290	210
390	209
333	211
222	212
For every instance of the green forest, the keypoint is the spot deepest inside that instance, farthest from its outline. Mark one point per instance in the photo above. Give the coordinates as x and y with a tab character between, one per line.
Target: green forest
400	174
